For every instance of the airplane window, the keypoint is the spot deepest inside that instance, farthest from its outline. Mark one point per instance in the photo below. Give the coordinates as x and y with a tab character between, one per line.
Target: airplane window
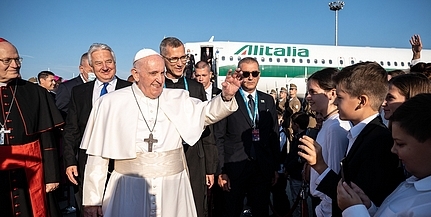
231	58
223	58
352	62
255	58
285	60
315	61
239	58
389	63
330	61
262	59
300	60
308	60
381	63
360	61
278	60
323	61
293	60
341	62
270	60
402	63
395	64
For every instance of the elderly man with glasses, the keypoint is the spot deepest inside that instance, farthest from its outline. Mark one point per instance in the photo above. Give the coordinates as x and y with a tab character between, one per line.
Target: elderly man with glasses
28	151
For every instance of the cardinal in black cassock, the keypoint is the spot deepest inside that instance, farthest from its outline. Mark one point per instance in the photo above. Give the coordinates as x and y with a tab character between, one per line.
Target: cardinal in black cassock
28	150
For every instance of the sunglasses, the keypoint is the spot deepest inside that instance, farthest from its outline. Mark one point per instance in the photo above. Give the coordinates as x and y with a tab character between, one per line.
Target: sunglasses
253	73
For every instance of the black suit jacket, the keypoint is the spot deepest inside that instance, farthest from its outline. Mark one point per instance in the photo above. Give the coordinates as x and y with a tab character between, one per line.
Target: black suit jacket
208	139
81	103
234	135
369	164
63	93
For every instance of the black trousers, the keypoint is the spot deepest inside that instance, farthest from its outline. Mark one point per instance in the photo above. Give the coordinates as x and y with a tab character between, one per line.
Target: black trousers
247	180
280	201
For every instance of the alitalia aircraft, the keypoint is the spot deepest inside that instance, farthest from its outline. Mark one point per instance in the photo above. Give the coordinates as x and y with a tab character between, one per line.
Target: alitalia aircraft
282	64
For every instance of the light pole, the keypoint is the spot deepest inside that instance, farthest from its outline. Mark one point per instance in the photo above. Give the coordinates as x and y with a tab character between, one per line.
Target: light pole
336	6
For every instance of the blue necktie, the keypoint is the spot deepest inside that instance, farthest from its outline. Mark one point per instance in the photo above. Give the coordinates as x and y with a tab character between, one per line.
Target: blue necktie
104	90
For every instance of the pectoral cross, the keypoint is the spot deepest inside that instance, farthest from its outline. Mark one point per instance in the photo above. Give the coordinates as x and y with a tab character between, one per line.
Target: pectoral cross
150	141
2	132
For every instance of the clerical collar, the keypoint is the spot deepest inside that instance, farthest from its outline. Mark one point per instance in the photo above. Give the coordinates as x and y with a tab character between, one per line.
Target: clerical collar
175	80
3	84
186	85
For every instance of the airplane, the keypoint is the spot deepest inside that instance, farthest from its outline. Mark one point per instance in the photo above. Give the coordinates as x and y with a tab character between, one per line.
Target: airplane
283	64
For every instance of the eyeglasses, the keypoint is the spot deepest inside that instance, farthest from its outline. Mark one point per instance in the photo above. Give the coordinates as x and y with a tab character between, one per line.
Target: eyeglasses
8	61
175	59
247	74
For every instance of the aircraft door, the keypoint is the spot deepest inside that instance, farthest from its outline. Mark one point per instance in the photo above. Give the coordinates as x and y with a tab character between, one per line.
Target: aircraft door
207	55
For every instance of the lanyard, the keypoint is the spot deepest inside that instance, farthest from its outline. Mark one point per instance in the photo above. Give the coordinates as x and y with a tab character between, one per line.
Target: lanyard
186	85
252	116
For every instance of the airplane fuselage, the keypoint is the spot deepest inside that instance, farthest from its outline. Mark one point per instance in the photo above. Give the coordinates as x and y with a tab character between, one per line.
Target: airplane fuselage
282	64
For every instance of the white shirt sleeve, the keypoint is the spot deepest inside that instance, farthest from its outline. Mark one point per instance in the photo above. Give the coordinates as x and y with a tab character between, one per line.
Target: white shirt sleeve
358	210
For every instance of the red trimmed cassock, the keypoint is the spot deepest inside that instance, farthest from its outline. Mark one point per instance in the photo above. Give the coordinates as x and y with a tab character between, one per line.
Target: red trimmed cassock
28	155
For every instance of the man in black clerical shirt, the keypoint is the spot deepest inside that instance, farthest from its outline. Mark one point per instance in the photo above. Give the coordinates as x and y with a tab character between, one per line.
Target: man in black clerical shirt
201	158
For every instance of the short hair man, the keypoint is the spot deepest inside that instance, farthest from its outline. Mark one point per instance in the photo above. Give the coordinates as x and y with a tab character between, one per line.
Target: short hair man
294	102
28	152
283	99
149	135
201	157
64	90
248	144
190	64
101	58
47	80
203	75
361	89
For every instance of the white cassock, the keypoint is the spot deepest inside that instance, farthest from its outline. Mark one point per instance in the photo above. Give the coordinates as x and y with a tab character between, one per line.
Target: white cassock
145	183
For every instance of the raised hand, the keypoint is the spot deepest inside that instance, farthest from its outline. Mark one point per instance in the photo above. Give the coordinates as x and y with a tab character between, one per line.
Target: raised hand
312	153
416	43
351	195
231	84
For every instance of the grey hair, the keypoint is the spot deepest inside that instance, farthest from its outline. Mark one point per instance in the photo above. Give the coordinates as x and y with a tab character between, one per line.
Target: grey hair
169	42
99	46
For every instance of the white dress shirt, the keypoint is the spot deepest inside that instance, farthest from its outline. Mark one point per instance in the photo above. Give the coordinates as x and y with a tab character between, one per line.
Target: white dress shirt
411	198
98	85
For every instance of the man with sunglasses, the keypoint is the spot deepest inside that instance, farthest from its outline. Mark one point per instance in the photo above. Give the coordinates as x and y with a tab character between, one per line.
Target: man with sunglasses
202	156
28	149
248	146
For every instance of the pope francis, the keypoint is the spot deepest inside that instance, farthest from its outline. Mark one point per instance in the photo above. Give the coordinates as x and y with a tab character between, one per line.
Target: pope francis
142	128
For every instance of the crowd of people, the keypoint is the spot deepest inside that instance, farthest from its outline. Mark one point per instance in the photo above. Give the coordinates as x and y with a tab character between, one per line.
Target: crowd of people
168	142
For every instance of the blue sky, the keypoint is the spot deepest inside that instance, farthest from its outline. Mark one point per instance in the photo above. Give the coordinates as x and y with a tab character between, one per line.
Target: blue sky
54	33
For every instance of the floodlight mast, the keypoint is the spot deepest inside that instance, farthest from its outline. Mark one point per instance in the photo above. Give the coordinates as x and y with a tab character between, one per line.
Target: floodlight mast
336	6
